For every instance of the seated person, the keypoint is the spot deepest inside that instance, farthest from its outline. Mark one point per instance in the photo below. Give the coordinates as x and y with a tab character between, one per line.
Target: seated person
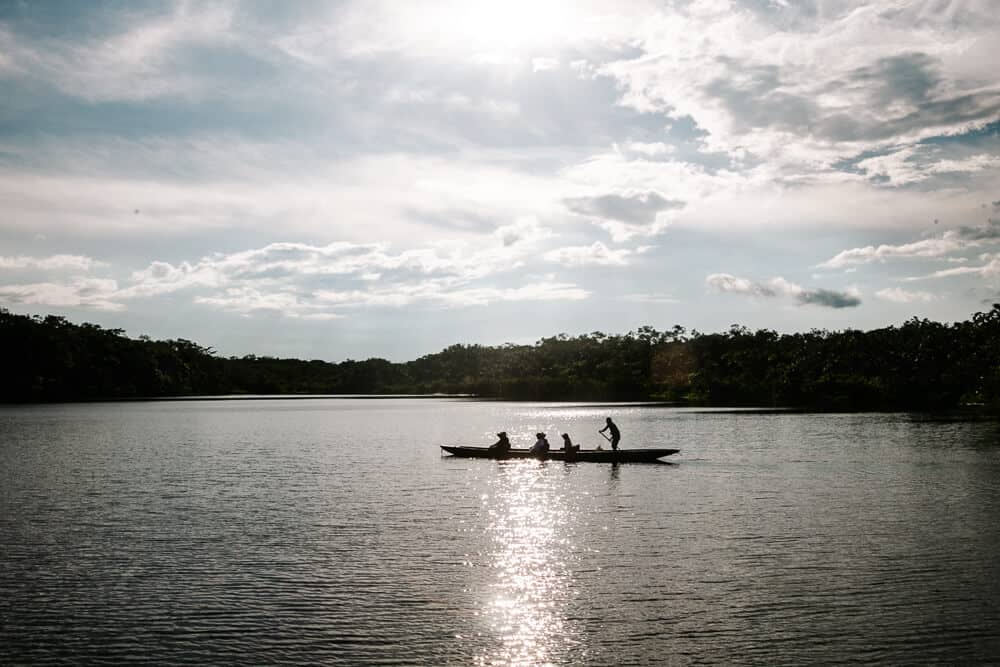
568	445
503	444
541	445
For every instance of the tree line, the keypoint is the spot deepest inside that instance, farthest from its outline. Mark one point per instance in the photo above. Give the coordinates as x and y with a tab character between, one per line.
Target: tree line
920	364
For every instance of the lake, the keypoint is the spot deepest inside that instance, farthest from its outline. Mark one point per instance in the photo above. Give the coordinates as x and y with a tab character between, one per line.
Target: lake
333	531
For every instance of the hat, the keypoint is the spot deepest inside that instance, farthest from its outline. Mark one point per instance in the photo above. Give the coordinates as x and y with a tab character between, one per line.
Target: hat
539	435
502	434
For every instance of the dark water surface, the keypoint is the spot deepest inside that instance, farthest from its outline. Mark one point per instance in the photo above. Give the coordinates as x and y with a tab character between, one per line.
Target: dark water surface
333	532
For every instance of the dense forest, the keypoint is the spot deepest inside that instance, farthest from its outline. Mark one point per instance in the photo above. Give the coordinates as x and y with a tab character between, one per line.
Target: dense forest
918	365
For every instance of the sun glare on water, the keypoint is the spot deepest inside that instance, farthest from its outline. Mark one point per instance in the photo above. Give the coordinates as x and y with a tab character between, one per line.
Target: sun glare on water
534	554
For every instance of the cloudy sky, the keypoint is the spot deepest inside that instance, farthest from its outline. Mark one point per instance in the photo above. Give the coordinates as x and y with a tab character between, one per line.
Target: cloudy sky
337	179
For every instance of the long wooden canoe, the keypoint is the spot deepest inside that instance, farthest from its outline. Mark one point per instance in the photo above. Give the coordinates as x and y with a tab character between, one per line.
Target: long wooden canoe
596	455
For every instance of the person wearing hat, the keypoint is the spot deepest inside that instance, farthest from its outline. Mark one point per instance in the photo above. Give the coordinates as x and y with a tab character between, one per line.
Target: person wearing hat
541	445
502	445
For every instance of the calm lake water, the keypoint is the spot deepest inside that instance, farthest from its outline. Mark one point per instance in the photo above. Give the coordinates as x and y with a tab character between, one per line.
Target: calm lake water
334	532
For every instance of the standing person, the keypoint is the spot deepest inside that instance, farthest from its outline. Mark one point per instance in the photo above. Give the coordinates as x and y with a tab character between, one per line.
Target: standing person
615	433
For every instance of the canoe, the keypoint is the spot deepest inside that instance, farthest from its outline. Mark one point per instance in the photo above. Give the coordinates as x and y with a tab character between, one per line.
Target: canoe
596	455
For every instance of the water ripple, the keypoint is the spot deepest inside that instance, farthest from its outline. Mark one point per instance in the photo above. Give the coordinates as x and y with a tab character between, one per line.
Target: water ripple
217	533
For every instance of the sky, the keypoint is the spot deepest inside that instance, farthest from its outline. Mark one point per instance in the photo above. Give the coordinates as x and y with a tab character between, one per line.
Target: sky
333	180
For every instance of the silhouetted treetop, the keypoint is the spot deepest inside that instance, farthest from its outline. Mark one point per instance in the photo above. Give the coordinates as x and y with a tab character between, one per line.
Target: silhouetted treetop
918	364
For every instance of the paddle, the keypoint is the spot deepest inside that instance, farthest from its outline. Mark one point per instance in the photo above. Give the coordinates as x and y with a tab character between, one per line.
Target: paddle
605	436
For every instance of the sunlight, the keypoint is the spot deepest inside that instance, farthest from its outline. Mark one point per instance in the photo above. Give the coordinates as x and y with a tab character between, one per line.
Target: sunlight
529	520
513	29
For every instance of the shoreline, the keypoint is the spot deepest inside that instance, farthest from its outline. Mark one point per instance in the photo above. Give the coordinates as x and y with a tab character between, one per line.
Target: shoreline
969	410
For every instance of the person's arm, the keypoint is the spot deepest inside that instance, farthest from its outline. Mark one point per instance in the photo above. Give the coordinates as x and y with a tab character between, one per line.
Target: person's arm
604	429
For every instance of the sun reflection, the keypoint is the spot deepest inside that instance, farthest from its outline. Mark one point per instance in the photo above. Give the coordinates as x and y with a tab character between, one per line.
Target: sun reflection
531	525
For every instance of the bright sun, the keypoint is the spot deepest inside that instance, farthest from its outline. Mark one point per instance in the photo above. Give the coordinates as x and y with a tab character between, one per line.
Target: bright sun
504	27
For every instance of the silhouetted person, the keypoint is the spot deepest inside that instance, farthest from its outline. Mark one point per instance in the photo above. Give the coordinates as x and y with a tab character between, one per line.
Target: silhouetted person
568	445
541	445
502	445
615	433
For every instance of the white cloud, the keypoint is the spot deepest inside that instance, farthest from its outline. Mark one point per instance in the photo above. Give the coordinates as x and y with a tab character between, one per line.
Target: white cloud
955	240
133	62
525	230
646	149
442	293
543	291
8	45
596	254
899	295
292	278
725	282
613	173
95	293
247	300
800	88
450	100
163	278
651	298
131	188
543	64
51	263
991	269
919	163
926	248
